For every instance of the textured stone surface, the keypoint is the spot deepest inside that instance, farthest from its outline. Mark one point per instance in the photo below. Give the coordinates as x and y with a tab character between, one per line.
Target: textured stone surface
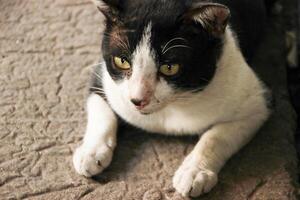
46	48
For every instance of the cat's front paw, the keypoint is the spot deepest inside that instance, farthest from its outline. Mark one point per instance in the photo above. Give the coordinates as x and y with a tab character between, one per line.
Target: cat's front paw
89	161
191	180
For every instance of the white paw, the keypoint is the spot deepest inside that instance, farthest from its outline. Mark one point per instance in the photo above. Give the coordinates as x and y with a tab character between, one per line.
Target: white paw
89	161
191	180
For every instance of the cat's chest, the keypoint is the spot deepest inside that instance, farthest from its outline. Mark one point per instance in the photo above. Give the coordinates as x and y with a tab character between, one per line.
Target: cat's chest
173	120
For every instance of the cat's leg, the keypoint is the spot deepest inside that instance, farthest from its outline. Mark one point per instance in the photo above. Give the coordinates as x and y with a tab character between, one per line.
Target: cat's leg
95	154
198	172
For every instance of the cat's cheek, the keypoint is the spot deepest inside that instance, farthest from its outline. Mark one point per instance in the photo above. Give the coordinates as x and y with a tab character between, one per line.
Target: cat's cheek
125	93
163	92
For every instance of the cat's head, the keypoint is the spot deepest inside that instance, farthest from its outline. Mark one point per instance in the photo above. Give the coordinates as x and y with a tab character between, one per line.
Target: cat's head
158	50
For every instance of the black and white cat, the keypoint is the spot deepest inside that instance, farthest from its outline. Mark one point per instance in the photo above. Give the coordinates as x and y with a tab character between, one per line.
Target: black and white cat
175	67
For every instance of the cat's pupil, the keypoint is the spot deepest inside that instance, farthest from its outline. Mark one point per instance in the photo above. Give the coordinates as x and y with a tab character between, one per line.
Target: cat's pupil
169	67
123	60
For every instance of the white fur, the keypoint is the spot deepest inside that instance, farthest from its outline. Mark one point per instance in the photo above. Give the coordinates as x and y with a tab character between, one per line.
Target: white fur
142	80
99	140
226	115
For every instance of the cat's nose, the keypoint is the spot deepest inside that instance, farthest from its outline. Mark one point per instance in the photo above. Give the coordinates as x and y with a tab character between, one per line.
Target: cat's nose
140	103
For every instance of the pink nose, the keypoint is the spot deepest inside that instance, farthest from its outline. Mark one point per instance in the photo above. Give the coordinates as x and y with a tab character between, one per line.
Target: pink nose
139	103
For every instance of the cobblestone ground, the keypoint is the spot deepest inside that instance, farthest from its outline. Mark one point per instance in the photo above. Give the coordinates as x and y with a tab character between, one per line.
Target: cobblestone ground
46	48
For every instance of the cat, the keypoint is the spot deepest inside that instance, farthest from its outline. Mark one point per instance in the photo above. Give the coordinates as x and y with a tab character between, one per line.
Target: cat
177	68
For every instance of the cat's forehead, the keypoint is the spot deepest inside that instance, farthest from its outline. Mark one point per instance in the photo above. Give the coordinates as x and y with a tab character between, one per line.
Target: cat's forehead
125	38
136	15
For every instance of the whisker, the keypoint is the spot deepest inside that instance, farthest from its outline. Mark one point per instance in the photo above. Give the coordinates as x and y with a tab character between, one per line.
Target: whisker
114	37
96	88
96	64
204	79
178	38
89	67
187	97
99	93
175	46
127	31
97	75
123	44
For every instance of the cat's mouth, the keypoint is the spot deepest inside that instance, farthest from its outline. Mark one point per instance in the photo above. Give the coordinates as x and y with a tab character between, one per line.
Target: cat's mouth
145	113
145	110
150	109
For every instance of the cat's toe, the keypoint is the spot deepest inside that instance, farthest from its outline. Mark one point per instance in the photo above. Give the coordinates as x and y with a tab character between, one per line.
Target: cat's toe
89	161
204	181
194	181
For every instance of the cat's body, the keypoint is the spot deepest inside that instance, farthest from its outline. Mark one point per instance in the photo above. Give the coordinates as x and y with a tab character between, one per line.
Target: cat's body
177	76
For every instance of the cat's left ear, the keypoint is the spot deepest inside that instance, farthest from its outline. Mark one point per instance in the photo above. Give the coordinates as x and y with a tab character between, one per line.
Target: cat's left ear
212	16
109	8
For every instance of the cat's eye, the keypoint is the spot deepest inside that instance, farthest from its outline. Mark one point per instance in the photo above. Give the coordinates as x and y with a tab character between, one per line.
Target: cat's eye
121	63
169	70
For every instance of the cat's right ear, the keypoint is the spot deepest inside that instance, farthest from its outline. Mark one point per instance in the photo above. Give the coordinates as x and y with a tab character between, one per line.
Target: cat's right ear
109	8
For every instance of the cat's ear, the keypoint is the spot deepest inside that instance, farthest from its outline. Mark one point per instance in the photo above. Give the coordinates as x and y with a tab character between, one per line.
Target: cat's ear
212	16
109	8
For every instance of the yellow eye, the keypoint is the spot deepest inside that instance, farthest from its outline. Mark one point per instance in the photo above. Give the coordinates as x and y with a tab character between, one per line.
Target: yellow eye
169	70
121	63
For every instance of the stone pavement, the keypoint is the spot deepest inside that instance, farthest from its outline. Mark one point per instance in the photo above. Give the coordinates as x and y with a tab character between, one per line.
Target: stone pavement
46	48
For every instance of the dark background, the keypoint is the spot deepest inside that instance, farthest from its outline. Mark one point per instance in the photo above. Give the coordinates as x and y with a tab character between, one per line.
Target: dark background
294	71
